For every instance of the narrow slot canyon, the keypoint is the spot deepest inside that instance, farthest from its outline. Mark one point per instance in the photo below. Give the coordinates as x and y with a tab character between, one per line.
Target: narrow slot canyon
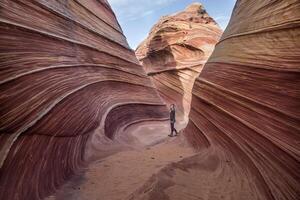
85	117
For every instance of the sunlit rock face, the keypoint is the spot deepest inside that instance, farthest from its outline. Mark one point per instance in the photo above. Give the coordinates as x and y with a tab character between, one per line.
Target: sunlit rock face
175	51
67	75
245	104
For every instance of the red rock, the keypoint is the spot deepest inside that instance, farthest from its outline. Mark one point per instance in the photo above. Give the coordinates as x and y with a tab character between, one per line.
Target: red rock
175	51
246	100
67	75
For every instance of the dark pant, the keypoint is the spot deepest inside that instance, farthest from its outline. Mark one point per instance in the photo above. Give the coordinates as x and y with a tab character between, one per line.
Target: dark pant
173	128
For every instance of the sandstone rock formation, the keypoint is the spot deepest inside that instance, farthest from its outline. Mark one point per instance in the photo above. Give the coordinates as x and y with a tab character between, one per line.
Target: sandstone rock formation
175	51
245	116
246	101
70	84
67	75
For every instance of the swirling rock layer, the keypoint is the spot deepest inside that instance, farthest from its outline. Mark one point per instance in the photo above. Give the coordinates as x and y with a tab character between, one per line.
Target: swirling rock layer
245	104
67	74
175	51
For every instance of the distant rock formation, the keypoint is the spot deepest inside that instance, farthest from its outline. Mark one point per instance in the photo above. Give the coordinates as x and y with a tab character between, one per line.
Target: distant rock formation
69	83
67	75
246	101
175	51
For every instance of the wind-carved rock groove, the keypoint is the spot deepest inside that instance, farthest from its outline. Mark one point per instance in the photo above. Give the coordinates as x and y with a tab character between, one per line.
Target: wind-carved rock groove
67	74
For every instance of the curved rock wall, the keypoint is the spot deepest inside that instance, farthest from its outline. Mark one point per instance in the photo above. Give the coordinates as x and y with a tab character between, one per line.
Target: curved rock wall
245	104
67	74
175	51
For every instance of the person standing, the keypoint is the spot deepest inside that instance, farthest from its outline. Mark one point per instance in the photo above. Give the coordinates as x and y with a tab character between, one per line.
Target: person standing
172	120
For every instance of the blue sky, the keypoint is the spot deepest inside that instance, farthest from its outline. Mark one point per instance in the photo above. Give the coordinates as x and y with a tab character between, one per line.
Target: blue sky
136	17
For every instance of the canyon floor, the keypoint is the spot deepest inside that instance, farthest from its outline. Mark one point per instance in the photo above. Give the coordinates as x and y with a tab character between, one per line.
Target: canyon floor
120	175
166	169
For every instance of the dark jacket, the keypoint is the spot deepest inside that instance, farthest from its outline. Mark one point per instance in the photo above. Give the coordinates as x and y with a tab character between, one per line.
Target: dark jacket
172	116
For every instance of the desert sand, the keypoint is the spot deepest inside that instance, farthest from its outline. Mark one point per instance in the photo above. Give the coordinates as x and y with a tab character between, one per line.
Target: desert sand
161	168
122	174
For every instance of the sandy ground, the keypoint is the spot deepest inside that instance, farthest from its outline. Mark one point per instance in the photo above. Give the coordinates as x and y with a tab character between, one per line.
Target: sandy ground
160	168
119	175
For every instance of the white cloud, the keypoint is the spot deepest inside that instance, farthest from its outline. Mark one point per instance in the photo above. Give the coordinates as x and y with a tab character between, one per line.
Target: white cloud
129	10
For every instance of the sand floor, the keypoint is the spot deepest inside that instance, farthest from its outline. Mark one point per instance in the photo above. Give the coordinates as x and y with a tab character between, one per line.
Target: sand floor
120	175
161	168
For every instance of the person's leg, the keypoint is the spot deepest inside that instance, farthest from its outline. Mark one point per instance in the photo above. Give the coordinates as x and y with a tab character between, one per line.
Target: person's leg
176	133
172	129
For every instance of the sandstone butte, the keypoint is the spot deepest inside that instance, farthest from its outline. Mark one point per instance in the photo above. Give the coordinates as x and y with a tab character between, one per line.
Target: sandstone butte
175	52
70	85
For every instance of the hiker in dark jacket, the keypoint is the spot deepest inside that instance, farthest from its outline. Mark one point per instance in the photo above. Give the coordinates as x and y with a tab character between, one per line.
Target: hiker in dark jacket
172	120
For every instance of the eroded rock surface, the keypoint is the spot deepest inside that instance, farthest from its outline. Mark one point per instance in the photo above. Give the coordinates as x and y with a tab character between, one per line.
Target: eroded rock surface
68	79
246	100
175	51
245	116
70	83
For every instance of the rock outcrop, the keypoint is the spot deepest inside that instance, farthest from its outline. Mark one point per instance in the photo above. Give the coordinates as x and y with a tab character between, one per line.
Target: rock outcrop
176	50
67	75
245	104
69	84
245	116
